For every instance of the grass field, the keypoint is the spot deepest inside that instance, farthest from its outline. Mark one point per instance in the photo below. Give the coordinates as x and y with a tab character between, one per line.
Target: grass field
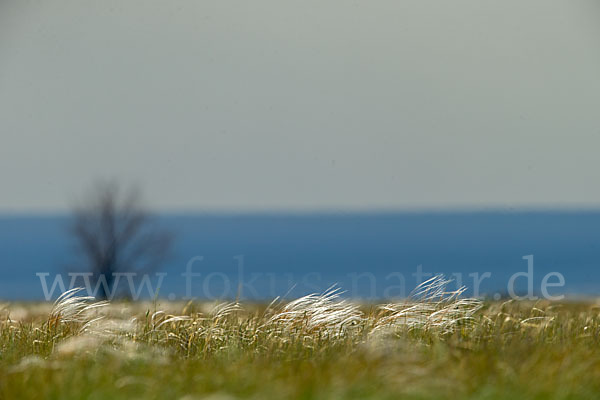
435	345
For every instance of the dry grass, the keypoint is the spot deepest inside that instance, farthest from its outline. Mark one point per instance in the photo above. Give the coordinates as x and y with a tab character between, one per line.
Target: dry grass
435	344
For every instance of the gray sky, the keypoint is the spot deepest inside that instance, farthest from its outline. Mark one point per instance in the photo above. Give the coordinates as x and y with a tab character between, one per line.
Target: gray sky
302	105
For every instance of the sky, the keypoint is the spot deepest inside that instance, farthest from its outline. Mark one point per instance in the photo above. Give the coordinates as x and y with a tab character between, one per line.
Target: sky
270	105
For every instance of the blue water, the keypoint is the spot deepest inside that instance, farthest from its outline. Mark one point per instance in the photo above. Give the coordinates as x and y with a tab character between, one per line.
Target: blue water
297	254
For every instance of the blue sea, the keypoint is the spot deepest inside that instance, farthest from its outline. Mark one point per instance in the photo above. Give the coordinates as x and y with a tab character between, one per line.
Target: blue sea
371	256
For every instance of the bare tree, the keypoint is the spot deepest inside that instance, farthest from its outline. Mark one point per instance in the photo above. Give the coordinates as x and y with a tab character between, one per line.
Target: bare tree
116	235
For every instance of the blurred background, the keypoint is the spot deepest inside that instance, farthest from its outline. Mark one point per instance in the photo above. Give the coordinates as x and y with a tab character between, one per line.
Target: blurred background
305	143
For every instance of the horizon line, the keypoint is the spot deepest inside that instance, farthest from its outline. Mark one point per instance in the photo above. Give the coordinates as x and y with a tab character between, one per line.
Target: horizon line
6	213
